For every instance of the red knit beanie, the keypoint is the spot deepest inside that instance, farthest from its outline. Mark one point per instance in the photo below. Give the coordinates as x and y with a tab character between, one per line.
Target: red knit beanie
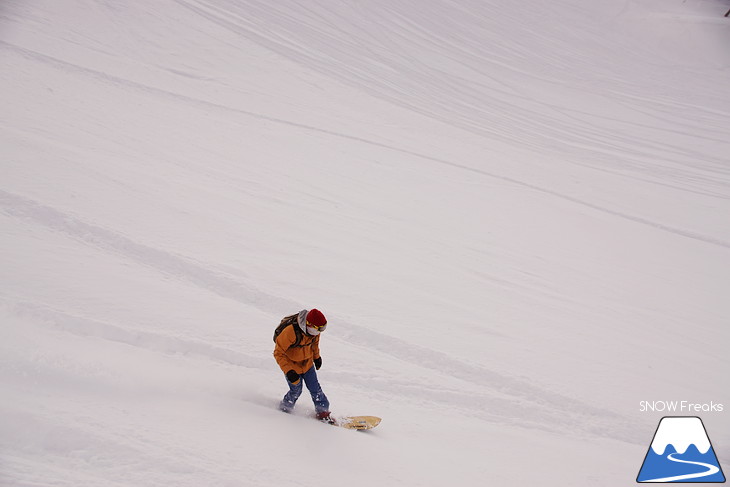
316	318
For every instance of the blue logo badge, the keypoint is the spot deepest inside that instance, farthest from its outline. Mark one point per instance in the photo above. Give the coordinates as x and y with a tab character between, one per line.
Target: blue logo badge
680	452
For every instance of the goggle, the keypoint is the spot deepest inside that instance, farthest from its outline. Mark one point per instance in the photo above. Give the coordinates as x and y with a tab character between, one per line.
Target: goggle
318	328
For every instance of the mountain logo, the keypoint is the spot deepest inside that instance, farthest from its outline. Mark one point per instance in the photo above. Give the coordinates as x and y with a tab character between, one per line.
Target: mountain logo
681	452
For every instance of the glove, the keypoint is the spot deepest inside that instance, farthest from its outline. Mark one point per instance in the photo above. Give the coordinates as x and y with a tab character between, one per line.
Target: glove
318	363
292	377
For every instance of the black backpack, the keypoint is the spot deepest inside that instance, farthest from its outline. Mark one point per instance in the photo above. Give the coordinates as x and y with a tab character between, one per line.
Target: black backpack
289	321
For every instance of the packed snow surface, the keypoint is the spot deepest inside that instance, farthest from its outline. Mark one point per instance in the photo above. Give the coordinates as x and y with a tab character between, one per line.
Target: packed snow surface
515	216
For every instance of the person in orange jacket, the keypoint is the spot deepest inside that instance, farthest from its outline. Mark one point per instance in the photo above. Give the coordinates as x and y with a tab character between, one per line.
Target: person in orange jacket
297	353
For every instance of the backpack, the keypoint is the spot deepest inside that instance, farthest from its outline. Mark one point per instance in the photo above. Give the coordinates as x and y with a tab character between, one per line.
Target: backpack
289	321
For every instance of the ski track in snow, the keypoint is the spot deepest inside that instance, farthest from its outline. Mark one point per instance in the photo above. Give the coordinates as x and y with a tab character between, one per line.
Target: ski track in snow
175	96
548	410
300	38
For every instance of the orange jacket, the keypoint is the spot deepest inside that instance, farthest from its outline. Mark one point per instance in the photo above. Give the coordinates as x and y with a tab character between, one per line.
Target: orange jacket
297	358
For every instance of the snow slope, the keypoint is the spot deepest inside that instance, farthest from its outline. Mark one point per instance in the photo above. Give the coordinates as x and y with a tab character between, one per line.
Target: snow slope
513	214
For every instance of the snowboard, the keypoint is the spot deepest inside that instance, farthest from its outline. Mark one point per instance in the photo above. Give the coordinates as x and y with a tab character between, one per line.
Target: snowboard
357	422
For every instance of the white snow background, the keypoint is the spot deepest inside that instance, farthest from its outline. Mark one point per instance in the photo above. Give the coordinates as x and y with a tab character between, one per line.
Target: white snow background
515	215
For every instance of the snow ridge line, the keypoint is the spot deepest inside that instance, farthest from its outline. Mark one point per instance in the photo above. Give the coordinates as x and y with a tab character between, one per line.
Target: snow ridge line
157	342
179	97
567	124
549	410
547	406
248	20
165	262
479	404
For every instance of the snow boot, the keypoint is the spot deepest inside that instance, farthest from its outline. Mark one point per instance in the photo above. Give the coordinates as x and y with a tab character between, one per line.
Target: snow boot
325	417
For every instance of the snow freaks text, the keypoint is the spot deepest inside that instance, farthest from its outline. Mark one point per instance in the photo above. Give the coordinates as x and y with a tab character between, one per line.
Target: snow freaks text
679	407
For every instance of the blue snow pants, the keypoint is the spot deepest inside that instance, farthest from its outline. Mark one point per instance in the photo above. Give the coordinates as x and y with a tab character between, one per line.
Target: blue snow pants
309	378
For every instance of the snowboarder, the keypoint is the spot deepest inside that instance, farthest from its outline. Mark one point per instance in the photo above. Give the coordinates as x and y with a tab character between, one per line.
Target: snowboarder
297	353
